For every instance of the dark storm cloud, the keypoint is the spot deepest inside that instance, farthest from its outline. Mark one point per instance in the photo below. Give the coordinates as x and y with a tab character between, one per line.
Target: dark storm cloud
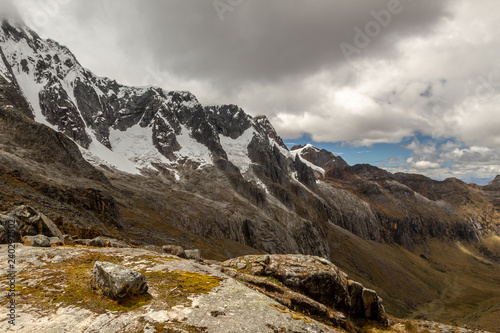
259	40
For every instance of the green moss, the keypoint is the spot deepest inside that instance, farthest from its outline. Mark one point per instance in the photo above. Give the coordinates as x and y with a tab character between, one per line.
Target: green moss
296	315
174	287
68	283
275	280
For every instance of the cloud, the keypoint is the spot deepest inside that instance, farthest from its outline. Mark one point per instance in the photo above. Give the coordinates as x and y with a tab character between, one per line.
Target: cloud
426	165
431	67
451	159
8	9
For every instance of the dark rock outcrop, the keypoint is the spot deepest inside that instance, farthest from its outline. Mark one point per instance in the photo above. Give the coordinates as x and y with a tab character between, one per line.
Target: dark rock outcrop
32	223
316	278
264	122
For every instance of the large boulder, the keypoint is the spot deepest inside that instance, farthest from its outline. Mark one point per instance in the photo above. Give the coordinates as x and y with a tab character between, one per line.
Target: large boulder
174	250
316	278
55	241
193	254
37	241
117	282
32	222
373	305
312	276
356	293
97	242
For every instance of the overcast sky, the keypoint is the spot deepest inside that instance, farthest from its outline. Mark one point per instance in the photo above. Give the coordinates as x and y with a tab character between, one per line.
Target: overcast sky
416	83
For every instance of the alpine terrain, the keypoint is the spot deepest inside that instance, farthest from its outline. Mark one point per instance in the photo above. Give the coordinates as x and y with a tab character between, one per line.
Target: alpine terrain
149	167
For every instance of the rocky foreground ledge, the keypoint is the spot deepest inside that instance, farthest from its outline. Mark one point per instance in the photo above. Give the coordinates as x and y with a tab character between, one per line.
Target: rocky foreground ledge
248	294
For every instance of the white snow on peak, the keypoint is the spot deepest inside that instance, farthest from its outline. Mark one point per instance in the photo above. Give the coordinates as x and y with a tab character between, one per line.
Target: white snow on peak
284	151
192	149
98	154
31	89
309	164
237	149
136	145
307	146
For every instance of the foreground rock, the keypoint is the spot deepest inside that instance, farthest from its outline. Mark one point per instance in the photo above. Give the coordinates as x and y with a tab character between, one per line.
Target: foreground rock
174	250
37	241
96	242
316	278
183	296
118	282
193	254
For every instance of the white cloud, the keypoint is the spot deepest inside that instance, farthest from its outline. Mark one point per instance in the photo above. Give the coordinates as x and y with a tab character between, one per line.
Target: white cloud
426	165
451	159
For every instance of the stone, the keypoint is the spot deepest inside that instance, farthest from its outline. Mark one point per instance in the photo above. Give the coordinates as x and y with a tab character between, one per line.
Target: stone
356	293
67	239
36	241
153	248
118	243
81	241
49	228
96	242
193	254
174	250
257	270
313	276
117	282
372	304
55	241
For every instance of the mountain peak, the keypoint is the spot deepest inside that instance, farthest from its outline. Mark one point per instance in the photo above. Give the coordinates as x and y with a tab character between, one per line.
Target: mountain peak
263	121
319	157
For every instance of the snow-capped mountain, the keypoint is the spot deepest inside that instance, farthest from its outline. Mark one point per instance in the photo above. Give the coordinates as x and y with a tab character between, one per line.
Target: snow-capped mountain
129	128
134	129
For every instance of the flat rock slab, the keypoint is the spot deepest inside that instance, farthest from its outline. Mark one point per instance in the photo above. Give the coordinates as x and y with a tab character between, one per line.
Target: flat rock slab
118	282
230	307
37	241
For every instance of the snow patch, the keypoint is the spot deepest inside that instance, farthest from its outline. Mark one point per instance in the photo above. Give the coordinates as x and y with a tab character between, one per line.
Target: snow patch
99	154
31	90
136	146
192	149
237	149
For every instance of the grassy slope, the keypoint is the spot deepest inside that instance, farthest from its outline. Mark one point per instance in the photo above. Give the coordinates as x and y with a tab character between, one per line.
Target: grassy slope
440	281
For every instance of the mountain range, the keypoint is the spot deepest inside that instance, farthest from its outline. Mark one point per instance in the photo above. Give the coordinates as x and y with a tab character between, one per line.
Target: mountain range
156	167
